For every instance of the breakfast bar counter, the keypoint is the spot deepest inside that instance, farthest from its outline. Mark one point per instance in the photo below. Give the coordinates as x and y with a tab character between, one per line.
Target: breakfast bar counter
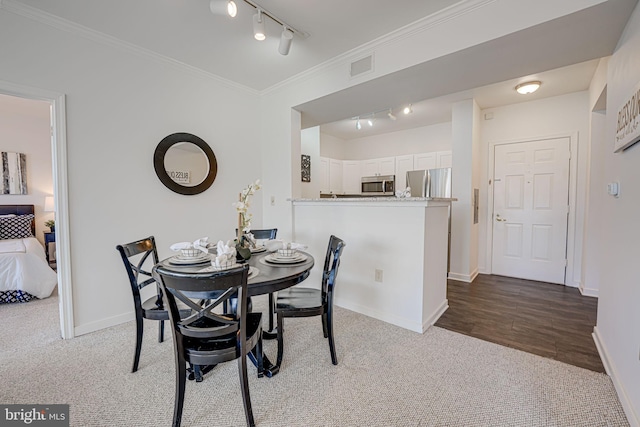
394	266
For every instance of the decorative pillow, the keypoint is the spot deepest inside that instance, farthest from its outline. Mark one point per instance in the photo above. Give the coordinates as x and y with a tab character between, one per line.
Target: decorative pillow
17	227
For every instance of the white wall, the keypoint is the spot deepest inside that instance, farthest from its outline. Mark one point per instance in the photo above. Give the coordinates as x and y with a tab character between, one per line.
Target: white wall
331	146
25	128
120	104
410	141
566	115
618	327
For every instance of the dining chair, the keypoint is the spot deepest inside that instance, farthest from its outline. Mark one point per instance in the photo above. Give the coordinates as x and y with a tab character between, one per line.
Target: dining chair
207	338
266	234
306	302
138	258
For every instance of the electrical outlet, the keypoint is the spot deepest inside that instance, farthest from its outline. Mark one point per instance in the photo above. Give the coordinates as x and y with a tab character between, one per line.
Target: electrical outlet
378	276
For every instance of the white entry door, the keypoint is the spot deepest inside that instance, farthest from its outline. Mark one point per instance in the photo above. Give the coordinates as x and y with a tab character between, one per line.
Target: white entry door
530	209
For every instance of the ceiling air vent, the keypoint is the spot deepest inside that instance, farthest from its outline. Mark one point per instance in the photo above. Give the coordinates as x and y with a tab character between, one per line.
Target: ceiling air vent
361	66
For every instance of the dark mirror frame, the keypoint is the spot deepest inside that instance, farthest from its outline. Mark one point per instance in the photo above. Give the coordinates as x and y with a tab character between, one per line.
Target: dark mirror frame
161	151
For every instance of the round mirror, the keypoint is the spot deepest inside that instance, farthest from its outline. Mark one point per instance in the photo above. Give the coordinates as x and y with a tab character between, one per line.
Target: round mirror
185	163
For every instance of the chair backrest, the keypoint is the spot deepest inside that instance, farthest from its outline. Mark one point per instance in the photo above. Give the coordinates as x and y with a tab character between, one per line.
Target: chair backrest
204	292
331	264
267	233
138	258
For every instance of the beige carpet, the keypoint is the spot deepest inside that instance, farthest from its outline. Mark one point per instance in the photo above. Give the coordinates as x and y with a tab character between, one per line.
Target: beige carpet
387	376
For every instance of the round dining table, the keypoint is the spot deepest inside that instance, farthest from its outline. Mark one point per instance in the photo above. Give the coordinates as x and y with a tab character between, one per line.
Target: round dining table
265	277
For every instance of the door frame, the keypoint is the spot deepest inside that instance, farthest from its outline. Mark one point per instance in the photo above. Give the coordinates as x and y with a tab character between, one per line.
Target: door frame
60	190
571	218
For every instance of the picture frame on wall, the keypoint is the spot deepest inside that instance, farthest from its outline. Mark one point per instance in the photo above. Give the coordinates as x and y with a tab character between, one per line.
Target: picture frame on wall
305	168
628	123
13	170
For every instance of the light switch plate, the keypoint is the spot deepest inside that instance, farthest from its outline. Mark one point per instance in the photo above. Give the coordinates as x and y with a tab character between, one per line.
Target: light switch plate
613	189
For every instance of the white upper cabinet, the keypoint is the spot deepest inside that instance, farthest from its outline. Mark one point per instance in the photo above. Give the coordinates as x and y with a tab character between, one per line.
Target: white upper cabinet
425	161
444	159
324	175
351	176
335	176
404	164
382	166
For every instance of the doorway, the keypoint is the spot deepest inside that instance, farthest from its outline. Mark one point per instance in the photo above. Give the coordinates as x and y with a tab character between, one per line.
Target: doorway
59	168
530	209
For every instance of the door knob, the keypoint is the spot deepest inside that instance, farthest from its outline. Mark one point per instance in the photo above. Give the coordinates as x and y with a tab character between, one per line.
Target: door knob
500	219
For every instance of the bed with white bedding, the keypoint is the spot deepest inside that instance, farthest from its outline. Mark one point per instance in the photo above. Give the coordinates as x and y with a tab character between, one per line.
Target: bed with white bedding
24	272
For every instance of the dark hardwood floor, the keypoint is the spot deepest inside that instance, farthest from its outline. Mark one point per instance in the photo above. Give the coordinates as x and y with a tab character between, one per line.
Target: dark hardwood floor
549	320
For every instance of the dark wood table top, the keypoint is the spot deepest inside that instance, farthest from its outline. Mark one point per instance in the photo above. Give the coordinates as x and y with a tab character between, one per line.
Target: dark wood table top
270	278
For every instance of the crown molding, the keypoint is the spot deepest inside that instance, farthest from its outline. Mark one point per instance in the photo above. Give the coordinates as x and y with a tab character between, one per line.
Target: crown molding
440	17
53	21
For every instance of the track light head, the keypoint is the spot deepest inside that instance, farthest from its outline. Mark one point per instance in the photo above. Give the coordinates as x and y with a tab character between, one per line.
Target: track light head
408	109
358	125
285	41
258	26
391	116
370	122
222	7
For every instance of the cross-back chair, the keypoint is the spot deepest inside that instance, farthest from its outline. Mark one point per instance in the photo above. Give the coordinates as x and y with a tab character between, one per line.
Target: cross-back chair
208	336
138	258
306	302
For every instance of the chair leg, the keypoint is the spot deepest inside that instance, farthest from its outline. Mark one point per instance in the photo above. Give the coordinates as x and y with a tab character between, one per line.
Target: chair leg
161	331
324	325
139	332
332	346
272	308
181	374
244	386
259	357
280	339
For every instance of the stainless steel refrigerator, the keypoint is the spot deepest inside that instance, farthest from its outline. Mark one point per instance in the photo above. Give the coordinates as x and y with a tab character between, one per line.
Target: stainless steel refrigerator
430	183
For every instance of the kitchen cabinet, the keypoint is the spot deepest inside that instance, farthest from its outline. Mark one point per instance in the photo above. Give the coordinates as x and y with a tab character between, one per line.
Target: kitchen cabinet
444	159
381	166
425	161
335	176
403	165
351	176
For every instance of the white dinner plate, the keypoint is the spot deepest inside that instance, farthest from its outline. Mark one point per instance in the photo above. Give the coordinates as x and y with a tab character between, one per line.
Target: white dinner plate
253	271
181	260
274	258
258	249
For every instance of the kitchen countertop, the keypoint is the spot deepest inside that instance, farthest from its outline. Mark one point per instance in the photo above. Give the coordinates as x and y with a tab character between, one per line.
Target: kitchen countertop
376	199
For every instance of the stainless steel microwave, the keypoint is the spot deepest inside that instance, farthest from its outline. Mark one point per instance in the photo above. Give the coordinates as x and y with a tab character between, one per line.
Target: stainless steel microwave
379	185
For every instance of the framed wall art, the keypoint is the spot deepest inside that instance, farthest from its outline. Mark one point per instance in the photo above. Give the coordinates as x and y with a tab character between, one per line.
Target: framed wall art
306	168
14	173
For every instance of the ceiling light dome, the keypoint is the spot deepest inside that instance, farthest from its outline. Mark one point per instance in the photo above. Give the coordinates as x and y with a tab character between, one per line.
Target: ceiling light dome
528	87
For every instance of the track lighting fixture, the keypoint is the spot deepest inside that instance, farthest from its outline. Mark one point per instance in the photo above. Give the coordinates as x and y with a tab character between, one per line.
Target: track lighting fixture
408	109
258	26
391	116
229	7
358	125
370	122
222	7
285	41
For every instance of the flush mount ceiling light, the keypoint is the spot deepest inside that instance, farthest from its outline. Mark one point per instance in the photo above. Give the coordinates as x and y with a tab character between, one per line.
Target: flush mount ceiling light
408	109
528	87
258	26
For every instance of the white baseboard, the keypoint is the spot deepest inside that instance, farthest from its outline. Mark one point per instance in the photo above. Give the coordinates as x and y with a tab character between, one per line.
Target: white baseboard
632	417
468	278
104	323
433	318
588	292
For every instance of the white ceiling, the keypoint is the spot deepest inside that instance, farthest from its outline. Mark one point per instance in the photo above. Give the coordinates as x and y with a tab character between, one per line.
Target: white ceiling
186	31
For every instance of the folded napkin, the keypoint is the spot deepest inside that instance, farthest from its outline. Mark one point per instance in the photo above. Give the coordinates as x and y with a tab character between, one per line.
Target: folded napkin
225	255
200	244
274	245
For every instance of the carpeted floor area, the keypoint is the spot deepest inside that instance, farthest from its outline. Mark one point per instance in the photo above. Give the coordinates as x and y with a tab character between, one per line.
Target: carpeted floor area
386	376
